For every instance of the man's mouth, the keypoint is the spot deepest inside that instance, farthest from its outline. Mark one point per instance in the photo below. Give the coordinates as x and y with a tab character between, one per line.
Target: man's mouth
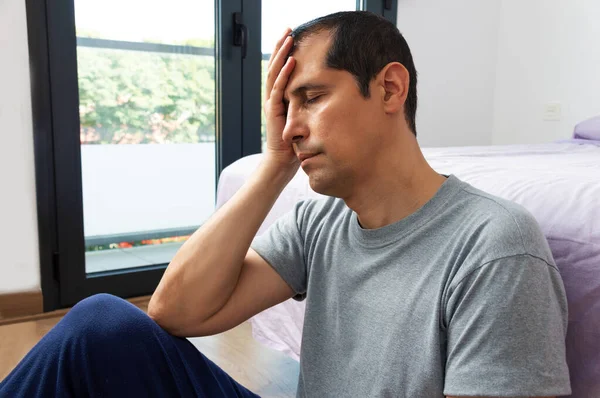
303	156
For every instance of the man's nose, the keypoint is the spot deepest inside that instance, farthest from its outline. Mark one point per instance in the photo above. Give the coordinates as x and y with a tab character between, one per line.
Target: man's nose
295	129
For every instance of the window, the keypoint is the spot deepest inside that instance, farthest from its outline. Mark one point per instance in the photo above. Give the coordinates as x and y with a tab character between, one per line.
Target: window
146	77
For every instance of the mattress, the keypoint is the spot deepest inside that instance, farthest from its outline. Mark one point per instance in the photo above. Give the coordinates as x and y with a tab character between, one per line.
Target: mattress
559	183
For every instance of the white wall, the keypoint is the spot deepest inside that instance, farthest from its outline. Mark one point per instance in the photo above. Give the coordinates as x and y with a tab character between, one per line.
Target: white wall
19	257
549	51
454	44
488	68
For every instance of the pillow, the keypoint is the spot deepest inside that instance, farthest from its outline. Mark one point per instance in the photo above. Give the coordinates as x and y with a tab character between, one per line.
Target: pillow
588	129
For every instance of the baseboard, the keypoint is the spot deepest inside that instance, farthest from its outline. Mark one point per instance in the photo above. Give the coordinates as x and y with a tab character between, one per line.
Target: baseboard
14	305
141	302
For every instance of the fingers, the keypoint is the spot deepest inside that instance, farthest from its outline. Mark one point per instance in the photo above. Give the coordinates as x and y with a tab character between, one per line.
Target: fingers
276	94
278	46
277	63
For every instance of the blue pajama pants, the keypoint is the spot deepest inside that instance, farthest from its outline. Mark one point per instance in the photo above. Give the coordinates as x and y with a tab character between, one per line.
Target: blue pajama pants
107	347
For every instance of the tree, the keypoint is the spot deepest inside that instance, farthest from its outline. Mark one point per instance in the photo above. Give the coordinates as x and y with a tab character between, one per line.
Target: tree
133	97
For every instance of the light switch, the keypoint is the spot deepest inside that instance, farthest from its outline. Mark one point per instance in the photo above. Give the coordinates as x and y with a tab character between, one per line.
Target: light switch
552	111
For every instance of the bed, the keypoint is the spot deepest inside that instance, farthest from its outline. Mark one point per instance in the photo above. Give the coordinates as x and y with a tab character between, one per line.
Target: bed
559	183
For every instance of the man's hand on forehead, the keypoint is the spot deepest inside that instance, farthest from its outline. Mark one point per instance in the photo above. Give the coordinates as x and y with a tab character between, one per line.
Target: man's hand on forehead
281	65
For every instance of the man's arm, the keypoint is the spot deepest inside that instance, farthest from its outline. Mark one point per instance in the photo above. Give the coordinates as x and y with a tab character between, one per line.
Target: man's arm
215	265
506	331
215	282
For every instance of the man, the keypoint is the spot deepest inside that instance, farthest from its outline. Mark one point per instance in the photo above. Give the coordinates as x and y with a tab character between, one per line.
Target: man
417	284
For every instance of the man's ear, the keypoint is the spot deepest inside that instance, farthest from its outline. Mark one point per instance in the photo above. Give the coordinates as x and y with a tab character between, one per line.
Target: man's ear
393	81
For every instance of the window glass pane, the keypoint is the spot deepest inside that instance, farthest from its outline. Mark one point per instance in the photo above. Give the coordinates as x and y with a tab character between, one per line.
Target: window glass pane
277	15
147	107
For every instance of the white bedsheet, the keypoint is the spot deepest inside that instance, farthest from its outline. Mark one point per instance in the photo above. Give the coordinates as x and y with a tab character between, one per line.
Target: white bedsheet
558	183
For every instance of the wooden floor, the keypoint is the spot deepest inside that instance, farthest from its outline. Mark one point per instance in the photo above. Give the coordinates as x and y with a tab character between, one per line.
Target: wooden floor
266	372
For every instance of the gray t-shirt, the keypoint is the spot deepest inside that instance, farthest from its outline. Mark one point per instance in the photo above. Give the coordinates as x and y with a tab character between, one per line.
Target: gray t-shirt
462	297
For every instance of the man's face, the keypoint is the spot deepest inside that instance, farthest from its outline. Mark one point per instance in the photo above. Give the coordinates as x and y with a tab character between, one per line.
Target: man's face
329	118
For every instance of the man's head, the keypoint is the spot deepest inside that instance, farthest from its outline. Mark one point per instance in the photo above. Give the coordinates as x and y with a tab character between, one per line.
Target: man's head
351	100
362	43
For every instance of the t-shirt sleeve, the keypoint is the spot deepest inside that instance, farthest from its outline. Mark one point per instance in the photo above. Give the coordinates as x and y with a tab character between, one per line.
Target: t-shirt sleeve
282	246
506	327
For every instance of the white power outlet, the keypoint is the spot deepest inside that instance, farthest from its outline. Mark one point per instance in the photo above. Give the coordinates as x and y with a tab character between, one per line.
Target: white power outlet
552	111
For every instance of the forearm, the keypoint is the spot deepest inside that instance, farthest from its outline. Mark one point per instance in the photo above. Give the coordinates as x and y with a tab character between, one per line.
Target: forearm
203	274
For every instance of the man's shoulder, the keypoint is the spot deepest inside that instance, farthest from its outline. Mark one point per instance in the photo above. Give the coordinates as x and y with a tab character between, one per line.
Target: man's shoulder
499	226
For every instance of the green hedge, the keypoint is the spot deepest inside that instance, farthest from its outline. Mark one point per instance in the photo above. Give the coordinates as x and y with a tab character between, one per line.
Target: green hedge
132	97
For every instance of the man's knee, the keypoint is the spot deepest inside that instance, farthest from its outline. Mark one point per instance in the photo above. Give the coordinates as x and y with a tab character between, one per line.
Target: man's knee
104	317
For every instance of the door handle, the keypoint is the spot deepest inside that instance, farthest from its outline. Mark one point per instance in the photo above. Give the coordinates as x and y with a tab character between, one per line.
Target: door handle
240	33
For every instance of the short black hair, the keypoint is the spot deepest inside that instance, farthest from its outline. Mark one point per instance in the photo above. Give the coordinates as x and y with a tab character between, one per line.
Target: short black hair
362	44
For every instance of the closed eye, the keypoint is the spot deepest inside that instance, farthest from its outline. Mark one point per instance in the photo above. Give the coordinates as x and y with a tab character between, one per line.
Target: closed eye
312	100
